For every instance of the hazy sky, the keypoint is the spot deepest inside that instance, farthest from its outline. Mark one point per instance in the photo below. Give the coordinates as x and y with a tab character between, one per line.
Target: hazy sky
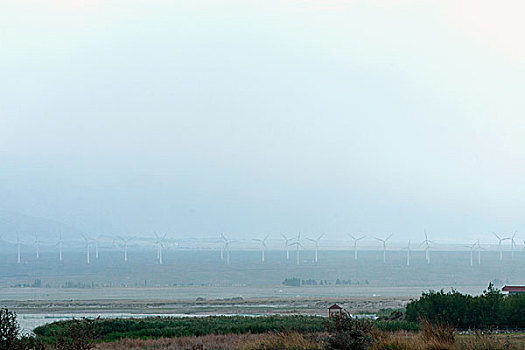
248	117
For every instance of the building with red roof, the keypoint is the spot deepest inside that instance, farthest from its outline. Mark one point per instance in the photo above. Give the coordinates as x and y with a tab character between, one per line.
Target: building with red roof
514	289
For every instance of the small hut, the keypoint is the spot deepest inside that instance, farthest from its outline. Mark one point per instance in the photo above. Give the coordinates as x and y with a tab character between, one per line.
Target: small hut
335	311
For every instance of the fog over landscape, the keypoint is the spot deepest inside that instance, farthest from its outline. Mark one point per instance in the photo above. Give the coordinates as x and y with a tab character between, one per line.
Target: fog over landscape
256	175
196	118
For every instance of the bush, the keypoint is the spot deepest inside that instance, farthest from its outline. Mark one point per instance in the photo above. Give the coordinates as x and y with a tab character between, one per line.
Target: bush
349	333
10	336
78	335
489	310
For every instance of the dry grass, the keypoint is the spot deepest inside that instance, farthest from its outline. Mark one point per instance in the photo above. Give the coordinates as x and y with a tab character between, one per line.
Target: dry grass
207	342
432	340
404	341
286	341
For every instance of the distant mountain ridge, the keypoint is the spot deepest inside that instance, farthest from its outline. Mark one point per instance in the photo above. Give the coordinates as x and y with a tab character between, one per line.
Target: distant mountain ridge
13	224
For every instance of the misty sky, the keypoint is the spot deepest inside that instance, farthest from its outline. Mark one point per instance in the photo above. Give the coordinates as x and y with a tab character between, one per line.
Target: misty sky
248	117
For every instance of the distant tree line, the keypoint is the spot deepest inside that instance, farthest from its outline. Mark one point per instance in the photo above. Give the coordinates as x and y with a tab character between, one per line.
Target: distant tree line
297	282
492	309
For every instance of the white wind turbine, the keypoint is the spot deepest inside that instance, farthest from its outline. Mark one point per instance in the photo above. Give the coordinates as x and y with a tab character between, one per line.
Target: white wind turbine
472	247
86	241
426	243
500	240
287	245
298	246
36	243
479	248
316	241
263	245
125	241
60	244
408	253
513	244
227	243
384	246
96	247
18	244
356	239
159	242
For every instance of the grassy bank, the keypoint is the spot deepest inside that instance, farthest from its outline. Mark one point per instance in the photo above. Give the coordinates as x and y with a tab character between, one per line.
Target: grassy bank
166	327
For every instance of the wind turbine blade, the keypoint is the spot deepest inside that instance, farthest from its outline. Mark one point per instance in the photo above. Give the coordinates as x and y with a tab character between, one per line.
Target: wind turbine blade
386	239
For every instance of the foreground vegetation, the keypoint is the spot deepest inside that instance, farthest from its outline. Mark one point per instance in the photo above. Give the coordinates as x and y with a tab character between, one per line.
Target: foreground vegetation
490	310
438	316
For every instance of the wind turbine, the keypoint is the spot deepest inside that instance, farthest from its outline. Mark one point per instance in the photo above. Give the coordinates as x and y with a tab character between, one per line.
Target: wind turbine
426	242
263	245
96	247
18	243
86	240
513	244
479	252
356	239
297	245
472	247
408	253
227	243
159	243
316	241
500	240
36	243
221	240
125	241
287	245
59	244
384	246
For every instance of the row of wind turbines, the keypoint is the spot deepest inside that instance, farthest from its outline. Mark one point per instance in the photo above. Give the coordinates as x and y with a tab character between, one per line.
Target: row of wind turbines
290	243
91	243
426	244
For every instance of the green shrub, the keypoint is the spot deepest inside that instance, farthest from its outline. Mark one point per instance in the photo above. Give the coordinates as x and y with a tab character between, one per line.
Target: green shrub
349	333
489	310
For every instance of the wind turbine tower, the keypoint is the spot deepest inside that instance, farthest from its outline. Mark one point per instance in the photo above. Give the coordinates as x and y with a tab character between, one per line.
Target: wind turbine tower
86	240
18	247
36	243
316	241
356	239
500	240
384	246
513	244
263	245
408	253
472	247
125	241
60	244
297	245
287	245
426	243
227	243
478	247
159	242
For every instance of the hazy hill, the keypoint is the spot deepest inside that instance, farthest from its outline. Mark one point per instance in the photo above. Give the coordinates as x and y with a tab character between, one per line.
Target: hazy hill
12	223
